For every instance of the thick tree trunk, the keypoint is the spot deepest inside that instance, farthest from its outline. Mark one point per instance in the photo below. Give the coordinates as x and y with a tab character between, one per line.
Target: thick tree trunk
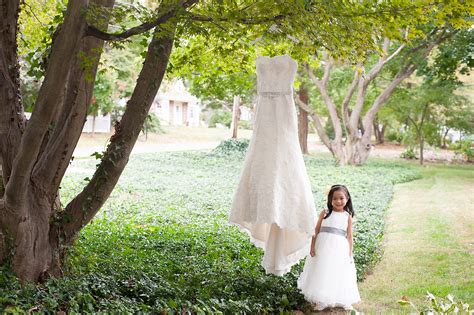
235	116
31	198
12	119
303	121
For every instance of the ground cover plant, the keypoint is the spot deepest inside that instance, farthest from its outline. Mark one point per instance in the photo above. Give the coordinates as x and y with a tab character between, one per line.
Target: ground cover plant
162	242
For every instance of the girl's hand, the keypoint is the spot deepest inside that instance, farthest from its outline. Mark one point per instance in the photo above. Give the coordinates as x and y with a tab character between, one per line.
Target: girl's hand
312	252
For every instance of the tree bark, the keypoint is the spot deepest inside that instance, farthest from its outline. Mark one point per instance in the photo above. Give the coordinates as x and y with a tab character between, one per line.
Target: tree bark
303	120
235	116
12	119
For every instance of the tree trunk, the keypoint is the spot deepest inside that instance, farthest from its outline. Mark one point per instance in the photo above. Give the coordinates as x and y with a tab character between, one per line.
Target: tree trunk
378	132
303	120
355	151
31	199
235	116
422	144
444	145
87	203
93	124
382	134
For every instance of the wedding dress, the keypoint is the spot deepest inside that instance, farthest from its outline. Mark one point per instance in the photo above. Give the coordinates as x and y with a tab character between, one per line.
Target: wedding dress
273	202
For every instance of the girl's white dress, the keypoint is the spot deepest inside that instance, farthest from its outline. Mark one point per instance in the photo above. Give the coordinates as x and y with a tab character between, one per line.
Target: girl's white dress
329	278
273	202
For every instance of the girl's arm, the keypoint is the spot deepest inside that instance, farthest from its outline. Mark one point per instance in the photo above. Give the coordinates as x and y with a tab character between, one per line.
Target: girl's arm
349	235
316	232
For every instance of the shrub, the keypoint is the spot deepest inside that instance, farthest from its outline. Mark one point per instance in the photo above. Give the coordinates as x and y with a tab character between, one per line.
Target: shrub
439	305
232	147
152	124
465	148
394	136
245	124
220	117
408	154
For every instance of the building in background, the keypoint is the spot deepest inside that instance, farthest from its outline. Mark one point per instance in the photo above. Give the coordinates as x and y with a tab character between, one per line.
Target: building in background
175	106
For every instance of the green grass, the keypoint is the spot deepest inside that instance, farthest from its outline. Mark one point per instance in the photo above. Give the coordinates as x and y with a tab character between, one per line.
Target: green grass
162	241
428	242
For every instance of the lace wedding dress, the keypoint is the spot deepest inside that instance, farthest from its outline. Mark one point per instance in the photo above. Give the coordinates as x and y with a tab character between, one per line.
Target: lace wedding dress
273	202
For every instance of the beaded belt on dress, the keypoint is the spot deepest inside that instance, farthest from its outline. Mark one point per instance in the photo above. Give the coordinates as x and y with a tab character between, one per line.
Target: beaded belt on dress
274	94
333	230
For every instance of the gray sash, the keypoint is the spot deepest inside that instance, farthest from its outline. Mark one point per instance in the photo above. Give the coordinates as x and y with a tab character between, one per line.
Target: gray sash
333	230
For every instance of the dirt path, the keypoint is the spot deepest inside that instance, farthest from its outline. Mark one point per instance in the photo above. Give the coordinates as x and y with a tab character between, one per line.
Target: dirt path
428	244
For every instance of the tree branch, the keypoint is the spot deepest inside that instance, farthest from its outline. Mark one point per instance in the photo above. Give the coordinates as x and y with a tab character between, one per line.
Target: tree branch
402	74
275	18
326	98
383	97
95	32
327	68
85	205
46	103
54	160
364	82
349	94
317	122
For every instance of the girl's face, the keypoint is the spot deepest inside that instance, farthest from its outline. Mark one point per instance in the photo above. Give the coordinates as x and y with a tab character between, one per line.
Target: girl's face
339	200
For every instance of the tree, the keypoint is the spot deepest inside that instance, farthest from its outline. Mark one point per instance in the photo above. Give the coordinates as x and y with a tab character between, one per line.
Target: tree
355	148
36	229
221	83
426	109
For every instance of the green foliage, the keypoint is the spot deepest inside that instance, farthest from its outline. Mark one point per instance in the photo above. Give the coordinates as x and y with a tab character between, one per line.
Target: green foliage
102	102
244	124
162	242
428	109
408	154
232	147
220	117
394	136
439	305
465	148
152	124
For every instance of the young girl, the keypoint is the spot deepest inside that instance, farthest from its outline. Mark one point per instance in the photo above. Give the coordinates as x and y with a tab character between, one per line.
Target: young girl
329	275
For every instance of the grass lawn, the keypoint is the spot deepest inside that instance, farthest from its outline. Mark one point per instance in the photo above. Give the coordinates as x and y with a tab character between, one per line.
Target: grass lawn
428	243
162	242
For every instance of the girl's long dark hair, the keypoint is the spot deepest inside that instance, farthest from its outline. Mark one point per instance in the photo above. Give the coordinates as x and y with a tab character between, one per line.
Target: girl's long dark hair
348	207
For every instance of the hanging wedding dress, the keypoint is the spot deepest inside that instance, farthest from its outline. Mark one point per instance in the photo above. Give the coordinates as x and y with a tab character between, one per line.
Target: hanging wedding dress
273	202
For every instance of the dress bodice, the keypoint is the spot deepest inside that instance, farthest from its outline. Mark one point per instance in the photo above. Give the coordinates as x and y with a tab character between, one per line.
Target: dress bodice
338	220
275	74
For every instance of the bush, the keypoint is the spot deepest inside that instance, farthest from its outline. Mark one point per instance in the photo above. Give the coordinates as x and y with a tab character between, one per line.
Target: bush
232	147
245	124
408	154
394	136
152	124
464	148
220	117
439	305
